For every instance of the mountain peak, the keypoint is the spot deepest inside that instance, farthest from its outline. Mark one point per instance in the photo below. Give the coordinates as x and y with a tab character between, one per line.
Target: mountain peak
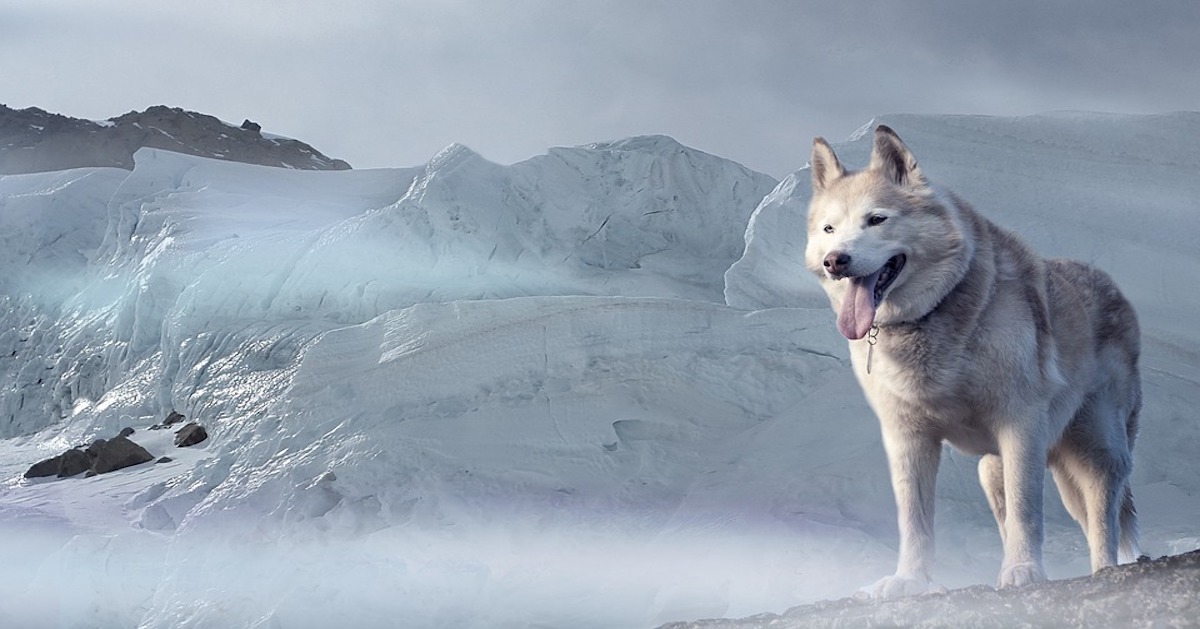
34	140
648	143
452	156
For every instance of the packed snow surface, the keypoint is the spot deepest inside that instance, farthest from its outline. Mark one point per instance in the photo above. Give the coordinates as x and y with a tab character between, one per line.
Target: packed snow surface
592	389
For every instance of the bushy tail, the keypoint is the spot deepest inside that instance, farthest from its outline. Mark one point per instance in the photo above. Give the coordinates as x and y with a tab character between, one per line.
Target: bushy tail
1129	550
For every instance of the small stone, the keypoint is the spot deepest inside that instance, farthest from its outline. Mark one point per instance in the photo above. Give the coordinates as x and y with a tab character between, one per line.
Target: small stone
125	432
165	459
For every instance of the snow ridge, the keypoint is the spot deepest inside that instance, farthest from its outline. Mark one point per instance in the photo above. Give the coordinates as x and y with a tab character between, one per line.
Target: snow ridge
185	247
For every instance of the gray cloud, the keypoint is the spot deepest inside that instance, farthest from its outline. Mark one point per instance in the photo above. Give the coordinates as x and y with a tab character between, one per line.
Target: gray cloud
384	83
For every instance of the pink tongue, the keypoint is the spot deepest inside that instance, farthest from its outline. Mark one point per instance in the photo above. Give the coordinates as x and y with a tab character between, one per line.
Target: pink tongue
858	308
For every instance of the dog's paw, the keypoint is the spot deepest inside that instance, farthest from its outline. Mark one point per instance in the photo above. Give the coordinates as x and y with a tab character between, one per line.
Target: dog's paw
1020	574
896	586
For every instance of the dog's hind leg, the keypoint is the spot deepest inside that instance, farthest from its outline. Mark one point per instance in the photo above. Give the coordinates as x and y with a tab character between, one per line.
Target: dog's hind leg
991	478
1092	465
1102	496
1092	490
1069	491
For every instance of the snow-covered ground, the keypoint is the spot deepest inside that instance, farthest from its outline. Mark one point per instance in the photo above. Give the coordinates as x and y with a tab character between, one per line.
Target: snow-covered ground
474	395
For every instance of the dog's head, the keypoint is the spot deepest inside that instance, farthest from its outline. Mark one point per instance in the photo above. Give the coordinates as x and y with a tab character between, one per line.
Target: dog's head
884	245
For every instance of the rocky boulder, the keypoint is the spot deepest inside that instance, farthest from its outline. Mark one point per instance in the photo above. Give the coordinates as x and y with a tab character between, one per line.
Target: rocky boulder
115	454
73	461
190	435
102	456
174	417
41	469
69	463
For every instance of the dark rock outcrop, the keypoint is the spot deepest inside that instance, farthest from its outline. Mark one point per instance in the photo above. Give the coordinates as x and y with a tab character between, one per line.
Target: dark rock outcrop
190	435
115	454
102	456
69	463
174	417
72	462
41	469
34	140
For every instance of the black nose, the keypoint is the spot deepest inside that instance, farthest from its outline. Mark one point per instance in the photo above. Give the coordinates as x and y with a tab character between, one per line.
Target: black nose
837	262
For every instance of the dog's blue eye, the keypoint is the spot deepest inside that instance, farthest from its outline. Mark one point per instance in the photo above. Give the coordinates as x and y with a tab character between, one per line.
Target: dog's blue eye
829	229
876	219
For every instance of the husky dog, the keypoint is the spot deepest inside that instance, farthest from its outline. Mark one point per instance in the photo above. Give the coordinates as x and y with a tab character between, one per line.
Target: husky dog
959	332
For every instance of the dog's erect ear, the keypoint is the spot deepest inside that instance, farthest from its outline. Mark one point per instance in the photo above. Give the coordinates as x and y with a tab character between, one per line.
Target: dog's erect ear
825	165
893	158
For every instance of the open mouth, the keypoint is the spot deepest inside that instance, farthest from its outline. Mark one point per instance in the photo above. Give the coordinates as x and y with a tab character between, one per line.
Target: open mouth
862	297
887	275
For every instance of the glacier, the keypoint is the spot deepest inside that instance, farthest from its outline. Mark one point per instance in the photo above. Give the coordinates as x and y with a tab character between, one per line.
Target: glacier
592	389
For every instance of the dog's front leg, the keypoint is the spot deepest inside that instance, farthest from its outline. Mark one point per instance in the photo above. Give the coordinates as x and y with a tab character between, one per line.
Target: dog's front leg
1023	457
913	459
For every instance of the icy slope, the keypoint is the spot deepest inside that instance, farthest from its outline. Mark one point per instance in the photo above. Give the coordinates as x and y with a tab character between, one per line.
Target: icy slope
474	395
507	457
196	252
213	287
117	259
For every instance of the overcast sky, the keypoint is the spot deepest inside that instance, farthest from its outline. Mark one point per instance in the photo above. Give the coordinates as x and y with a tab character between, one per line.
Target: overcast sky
389	82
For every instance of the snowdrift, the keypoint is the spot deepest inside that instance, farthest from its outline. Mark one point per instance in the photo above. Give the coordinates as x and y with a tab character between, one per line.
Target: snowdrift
595	388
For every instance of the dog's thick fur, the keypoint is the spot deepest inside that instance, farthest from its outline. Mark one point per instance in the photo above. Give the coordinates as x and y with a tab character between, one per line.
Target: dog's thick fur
960	333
